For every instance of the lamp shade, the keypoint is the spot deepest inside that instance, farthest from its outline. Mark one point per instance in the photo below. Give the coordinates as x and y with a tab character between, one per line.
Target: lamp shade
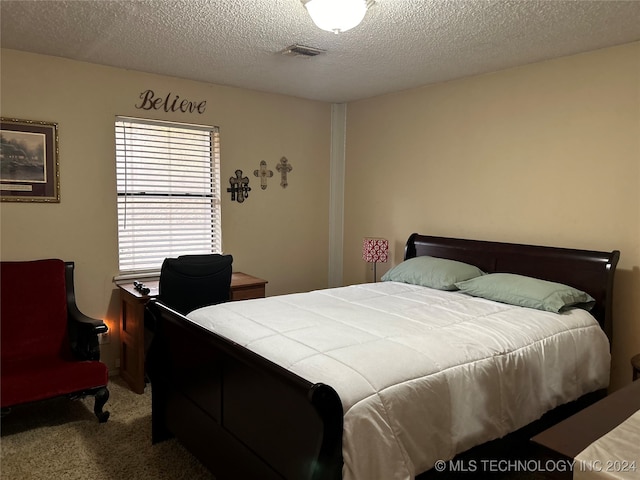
336	15
375	250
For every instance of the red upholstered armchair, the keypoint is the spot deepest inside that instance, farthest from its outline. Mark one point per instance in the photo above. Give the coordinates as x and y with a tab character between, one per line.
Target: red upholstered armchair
48	347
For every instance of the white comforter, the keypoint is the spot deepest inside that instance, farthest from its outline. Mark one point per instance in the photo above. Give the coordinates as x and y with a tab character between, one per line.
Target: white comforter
422	374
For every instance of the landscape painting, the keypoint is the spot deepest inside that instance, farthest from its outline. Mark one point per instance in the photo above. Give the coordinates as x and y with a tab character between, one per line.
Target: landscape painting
29	161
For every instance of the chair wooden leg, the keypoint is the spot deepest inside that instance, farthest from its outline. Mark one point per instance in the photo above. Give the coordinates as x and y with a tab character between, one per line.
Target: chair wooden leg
101	397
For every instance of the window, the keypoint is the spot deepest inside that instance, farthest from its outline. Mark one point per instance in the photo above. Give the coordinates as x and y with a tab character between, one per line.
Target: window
168	181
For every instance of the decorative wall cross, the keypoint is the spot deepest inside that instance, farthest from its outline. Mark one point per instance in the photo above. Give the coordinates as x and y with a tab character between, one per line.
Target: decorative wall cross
283	167
263	173
239	187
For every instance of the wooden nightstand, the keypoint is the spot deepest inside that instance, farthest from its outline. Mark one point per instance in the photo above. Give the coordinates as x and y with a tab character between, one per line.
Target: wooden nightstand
132	303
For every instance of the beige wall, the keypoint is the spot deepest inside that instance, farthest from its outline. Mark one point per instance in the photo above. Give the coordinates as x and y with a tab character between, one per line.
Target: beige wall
545	154
269	235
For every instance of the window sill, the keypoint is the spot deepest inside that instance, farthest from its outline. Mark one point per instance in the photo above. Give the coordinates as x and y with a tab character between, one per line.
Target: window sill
136	276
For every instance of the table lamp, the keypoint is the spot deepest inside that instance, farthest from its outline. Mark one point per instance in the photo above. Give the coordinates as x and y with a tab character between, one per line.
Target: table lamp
375	250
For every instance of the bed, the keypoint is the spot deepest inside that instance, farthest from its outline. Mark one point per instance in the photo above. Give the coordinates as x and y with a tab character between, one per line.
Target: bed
223	386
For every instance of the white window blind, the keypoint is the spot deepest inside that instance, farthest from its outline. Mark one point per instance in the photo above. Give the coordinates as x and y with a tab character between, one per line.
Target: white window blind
168	181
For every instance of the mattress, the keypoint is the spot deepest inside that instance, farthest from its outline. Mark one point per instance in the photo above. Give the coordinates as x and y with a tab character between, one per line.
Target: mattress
422	374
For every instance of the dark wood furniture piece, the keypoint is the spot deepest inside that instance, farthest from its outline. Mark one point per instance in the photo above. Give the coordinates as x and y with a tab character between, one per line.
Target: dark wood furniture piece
568	438
246	417
48	347
635	365
132	304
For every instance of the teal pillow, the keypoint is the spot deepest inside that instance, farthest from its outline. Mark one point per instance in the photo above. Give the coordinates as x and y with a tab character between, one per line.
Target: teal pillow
432	272
526	292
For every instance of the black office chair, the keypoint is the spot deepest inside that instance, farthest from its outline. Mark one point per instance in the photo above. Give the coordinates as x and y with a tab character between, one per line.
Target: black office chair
193	281
186	283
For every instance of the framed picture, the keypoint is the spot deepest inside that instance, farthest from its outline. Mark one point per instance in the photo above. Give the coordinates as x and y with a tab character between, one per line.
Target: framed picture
29	168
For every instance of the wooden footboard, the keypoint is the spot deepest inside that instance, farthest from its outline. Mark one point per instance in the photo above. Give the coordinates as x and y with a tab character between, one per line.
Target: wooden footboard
240	414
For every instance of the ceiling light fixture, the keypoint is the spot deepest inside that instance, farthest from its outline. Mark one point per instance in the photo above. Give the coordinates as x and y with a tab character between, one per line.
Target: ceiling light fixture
337	15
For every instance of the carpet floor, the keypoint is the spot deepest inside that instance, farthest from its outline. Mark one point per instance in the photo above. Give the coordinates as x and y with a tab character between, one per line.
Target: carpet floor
61	439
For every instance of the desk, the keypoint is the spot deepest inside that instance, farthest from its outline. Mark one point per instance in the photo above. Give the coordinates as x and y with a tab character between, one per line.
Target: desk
132	303
568	438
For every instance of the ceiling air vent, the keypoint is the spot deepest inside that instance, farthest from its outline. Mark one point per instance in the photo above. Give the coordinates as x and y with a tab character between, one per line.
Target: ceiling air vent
301	51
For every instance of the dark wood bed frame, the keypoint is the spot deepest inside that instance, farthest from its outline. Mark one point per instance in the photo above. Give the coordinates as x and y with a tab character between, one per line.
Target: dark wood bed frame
246	417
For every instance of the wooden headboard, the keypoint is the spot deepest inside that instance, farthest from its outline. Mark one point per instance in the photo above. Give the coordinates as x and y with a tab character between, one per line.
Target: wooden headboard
587	270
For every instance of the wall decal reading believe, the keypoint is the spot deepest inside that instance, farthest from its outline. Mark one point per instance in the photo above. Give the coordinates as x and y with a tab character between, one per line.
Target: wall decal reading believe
169	103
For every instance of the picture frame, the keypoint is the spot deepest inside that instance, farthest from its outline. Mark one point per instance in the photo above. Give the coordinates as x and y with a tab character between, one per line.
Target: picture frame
29	166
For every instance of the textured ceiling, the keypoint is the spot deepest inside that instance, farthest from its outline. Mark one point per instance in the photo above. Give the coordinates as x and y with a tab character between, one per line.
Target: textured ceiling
400	44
